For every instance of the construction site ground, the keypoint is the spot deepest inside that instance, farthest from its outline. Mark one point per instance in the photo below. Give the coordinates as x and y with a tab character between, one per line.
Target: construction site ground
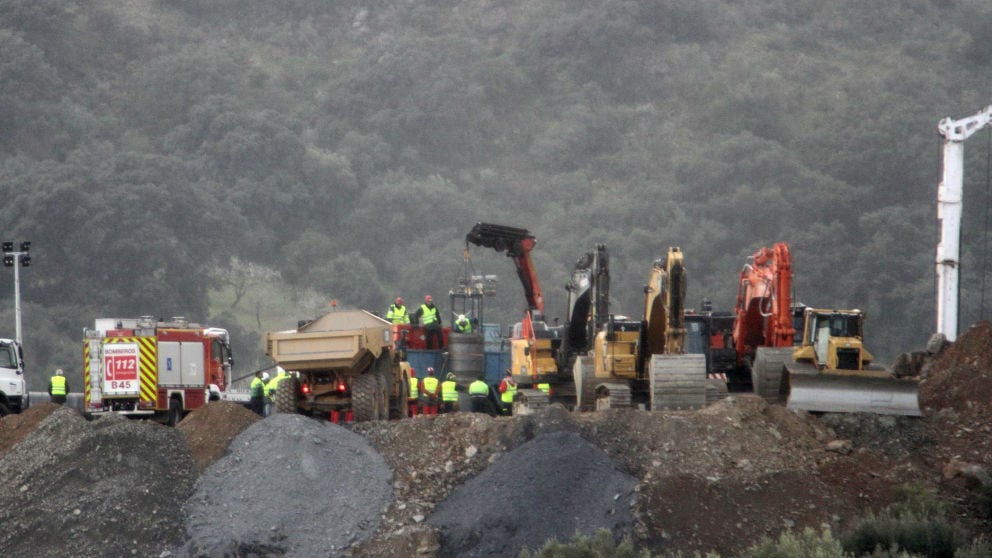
227	483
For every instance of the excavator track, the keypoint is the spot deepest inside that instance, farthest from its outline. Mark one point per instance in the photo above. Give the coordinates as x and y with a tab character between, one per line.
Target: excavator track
678	381
766	372
715	390
529	400
810	389
612	395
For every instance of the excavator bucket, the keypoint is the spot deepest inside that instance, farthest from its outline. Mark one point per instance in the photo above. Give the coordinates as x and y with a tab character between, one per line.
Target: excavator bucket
833	392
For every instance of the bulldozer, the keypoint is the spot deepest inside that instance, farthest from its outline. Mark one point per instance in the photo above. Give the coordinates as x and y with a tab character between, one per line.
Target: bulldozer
831	371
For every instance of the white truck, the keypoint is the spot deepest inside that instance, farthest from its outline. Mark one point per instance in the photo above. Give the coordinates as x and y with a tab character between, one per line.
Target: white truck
14	396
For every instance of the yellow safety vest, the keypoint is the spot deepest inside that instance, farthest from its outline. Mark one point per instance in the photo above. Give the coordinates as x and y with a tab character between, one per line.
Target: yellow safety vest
546	388
428	315
511	390
414	390
273	384
448	391
478	387
466	328
257	388
430	385
58	385
397	314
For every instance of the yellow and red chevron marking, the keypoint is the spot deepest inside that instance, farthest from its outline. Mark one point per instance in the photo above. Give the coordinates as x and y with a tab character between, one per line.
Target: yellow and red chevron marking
86	375
148	365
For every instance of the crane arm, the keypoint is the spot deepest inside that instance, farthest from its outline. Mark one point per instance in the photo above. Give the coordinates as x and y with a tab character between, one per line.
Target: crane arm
949	195
517	243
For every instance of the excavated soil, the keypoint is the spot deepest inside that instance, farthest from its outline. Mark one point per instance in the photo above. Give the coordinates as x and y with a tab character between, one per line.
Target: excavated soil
717	479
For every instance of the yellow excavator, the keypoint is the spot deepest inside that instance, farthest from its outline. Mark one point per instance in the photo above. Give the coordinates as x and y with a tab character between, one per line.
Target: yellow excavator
634	362
832	372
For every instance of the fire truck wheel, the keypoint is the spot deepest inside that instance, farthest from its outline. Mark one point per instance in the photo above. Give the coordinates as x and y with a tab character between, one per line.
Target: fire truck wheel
286	395
363	397
175	412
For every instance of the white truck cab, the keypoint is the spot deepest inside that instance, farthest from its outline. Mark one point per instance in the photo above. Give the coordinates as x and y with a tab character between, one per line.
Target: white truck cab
14	396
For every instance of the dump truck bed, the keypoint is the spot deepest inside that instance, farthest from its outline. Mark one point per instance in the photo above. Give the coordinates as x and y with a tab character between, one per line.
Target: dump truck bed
341	340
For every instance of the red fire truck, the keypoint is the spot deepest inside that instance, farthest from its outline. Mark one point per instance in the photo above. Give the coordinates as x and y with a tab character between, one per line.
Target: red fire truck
150	368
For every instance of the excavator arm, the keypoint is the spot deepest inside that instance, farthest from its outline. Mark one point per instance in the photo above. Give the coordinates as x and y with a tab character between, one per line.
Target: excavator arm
517	243
664	305
764	300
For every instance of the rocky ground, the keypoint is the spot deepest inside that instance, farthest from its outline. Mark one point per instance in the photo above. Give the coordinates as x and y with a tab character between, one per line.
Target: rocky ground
464	484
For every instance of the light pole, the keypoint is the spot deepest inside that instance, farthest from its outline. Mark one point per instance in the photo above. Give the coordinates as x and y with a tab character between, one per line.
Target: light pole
16	259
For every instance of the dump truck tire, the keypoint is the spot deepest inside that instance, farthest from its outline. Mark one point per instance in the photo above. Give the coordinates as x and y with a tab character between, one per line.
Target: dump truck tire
402	408
287	395
363	397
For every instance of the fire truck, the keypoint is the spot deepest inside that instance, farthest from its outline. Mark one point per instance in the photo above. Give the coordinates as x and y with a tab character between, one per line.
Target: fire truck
148	368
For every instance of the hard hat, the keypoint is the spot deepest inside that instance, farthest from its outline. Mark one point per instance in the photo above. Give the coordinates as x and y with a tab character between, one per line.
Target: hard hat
428	298
451	376
280	370
430	369
265	375
399	301
461	317
58	372
413	372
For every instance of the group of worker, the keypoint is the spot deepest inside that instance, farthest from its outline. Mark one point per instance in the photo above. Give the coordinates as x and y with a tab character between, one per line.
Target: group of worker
430	396
428	316
262	390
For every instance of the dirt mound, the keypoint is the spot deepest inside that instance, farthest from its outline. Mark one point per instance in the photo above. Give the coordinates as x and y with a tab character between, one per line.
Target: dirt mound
210	429
962	374
107	487
13	428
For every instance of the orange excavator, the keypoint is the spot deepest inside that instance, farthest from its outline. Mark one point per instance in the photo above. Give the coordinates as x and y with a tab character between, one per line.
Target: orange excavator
764	333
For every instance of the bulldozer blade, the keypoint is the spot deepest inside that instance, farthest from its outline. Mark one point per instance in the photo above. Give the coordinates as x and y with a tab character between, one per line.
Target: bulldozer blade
843	393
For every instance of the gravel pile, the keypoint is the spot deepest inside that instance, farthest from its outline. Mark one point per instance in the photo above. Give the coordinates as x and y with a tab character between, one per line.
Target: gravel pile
107	487
288	486
554	486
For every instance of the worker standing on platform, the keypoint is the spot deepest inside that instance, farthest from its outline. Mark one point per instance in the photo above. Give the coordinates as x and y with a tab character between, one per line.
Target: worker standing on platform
397	312
429	316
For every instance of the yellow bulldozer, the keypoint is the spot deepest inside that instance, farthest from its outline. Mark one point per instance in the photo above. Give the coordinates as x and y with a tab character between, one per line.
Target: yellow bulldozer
831	371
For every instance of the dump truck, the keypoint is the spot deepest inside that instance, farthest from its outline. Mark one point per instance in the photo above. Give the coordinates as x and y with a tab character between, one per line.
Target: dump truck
343	366
149	368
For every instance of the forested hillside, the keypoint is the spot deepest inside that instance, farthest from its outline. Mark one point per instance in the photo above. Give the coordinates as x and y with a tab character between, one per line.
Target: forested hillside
243	162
